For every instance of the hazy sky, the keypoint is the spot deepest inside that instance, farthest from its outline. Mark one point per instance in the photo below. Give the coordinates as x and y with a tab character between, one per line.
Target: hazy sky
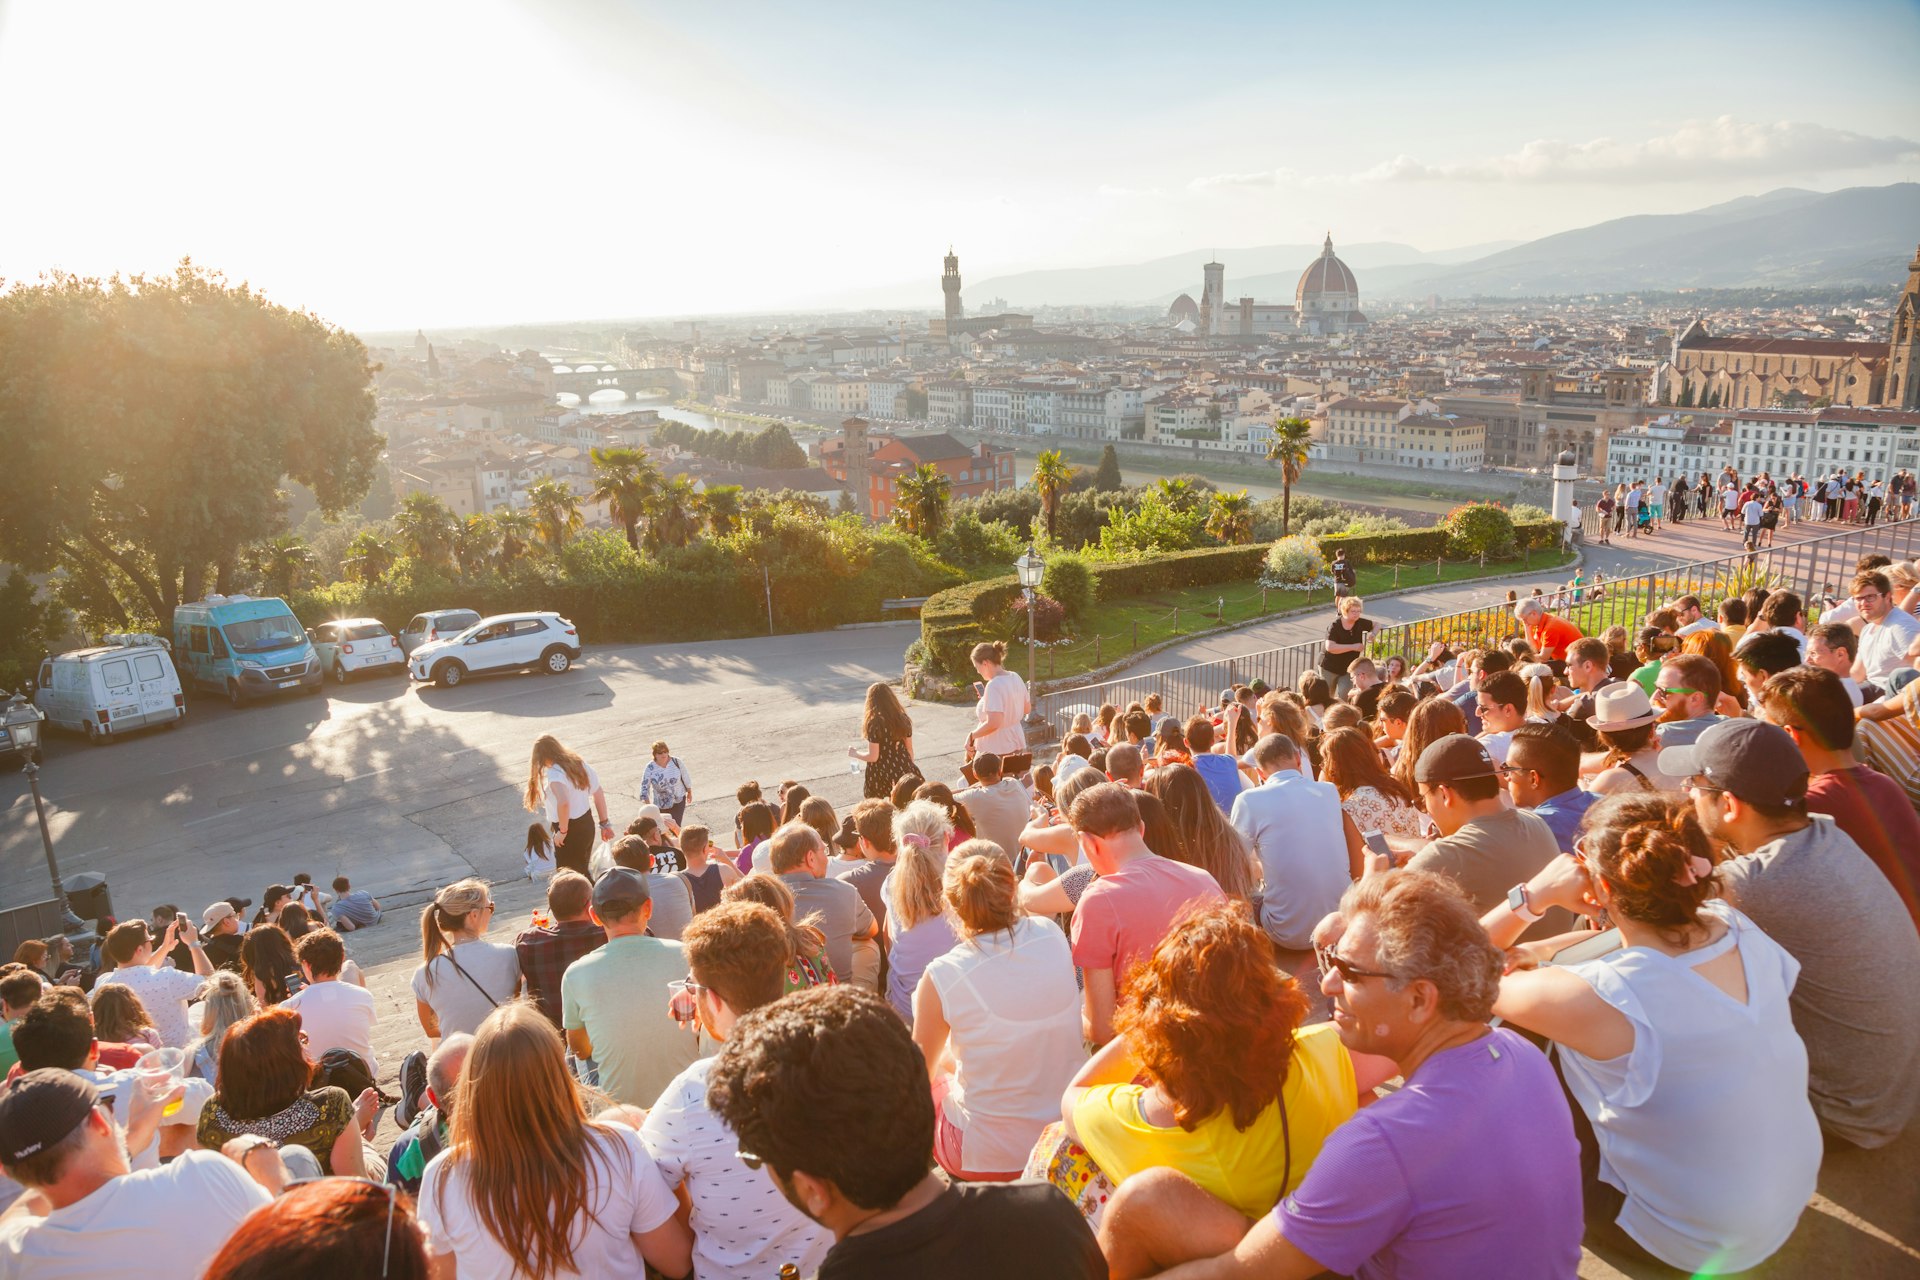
391	163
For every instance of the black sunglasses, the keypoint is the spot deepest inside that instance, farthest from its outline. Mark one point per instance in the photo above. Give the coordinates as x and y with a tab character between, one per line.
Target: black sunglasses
1327	958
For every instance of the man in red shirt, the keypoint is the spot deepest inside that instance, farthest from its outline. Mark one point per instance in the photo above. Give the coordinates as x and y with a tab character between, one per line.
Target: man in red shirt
1548	634
1813	706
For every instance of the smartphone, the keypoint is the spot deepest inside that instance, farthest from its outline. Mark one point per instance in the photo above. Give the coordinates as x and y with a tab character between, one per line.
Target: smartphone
1376	843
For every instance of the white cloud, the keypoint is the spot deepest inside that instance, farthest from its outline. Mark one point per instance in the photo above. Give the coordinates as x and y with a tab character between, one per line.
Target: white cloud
1719	148
1228	181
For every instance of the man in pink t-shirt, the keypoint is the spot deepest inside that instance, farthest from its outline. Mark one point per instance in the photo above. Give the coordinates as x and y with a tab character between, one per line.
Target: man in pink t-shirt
1126	912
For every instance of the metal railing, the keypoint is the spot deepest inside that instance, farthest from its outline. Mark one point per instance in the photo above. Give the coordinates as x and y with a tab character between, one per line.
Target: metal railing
1815	568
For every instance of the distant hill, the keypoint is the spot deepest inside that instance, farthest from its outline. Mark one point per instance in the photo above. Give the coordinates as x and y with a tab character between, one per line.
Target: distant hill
1787	238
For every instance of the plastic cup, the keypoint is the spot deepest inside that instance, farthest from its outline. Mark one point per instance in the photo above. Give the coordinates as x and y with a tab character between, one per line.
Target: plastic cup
159	1070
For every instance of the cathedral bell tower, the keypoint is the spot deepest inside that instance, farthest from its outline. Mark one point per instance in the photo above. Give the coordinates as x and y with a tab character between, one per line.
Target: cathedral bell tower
1903	363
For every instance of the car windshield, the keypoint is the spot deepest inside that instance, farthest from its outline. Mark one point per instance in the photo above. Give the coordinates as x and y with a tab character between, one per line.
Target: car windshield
365	631
261	635
457	621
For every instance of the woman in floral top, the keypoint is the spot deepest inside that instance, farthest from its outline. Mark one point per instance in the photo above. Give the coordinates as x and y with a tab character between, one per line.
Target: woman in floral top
263	1090
667	784
1372	797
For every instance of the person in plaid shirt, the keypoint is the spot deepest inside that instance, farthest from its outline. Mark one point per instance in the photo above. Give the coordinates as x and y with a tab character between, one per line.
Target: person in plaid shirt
546	950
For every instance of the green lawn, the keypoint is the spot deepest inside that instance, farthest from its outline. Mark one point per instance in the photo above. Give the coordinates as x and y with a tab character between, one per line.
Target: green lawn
1137	622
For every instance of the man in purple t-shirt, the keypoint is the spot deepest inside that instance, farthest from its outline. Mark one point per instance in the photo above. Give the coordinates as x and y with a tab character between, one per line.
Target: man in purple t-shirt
1469	1170
1126	912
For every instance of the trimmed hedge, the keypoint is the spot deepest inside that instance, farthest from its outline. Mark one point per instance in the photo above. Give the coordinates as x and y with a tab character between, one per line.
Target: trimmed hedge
1427	544
955	620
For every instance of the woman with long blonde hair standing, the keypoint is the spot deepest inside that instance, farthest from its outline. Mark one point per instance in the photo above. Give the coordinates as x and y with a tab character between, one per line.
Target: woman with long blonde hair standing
529	1187
566	788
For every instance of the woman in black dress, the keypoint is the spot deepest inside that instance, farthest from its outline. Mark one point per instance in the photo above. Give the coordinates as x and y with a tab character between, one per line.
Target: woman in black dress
888	746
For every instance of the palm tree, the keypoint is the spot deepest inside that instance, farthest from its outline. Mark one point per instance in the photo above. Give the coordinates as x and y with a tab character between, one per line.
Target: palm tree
517	530
673	513
921	498
720	505
475	542
1231	518
426	525
1291	441
370	554
624	478
282	562
1179	495
1051	475
556	509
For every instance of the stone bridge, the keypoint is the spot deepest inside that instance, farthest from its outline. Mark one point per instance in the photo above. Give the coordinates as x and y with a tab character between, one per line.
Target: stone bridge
586	378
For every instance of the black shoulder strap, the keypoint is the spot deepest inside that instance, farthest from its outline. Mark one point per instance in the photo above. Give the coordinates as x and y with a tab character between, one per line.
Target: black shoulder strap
470	978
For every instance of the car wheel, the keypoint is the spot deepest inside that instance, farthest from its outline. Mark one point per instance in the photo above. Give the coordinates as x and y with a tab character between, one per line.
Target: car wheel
339	672
448	674
234	696
556	661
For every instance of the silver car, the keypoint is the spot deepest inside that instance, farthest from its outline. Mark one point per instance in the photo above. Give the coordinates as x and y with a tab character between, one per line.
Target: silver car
435	624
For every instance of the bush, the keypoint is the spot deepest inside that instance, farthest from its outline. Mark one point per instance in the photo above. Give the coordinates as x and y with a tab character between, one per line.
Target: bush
953	621
976	543
1295	562
1049	619
1478	529
1070	581
1388	548
1181	569
1525	512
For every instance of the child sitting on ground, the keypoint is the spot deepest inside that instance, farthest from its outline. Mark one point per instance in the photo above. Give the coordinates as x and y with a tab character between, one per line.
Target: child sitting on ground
352	908
540	862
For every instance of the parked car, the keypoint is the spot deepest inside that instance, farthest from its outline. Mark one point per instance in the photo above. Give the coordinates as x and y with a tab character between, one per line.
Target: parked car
244	647
435	624
504	642
123	684
351	647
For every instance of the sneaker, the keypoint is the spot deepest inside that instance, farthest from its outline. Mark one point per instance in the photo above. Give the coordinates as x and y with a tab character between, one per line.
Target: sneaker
413	1088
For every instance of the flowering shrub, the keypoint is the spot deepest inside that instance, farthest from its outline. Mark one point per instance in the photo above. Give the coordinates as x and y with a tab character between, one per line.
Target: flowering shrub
1296	564
1049	618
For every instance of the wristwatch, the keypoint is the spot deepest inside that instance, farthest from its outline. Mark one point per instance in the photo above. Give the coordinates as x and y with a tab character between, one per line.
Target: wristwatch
259	1140
1520	904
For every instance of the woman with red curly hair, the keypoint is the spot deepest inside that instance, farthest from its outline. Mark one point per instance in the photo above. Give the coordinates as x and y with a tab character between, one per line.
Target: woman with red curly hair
1237	1095
320	1230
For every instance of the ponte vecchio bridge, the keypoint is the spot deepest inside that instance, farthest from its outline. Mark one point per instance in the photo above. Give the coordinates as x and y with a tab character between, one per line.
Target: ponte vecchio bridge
588	376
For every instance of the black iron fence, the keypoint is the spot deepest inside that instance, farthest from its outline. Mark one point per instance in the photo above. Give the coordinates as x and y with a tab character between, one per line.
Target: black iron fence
1818	569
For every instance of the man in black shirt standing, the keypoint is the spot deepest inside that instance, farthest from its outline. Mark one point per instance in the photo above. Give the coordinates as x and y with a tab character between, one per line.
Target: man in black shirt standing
827	1092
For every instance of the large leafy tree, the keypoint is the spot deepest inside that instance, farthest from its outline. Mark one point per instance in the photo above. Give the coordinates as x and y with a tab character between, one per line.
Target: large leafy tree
1106	477
517	530
626	480
283	563
1289	448
154	421
921	498
370	555
476	542
1051	476
556	511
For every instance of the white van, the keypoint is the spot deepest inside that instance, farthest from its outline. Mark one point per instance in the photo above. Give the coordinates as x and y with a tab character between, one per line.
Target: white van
127	683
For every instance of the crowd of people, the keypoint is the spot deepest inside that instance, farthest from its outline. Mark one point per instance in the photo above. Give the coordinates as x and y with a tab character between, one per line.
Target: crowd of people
1430	967
1754	506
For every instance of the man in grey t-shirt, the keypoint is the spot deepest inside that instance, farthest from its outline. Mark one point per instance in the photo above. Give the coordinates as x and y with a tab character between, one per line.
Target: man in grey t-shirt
1484	846
1811	889
999	806
799	857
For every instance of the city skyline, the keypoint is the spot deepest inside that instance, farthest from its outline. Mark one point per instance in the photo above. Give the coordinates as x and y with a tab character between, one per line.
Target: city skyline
493	162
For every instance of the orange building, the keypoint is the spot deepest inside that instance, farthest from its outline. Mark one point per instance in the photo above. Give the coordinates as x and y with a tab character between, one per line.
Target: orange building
972	471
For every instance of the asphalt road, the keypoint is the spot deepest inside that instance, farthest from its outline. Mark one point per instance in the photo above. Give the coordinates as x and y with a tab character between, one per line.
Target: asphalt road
403	788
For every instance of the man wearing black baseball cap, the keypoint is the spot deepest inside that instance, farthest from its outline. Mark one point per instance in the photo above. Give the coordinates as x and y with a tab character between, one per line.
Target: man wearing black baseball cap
1811	889
613	1002
59	1140
1484	846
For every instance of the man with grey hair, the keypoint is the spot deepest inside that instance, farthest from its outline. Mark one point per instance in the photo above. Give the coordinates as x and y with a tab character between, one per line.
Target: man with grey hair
1549	635
1308	848
1424	1181
798	856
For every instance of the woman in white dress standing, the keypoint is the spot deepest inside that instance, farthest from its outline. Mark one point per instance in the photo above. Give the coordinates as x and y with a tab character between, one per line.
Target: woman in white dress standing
1002	708
567	788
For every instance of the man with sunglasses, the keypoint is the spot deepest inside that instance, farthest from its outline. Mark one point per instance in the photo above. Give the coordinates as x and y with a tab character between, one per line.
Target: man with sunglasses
1811	889
1542	775
87	1213
1686	689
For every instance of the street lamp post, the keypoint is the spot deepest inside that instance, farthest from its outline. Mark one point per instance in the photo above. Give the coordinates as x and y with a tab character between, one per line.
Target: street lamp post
23	722
1030	567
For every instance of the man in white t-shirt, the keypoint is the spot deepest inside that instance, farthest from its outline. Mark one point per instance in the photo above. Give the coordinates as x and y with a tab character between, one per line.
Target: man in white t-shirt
140	966
333	1014
87	1215
1751	513
1890	638
743	1228
1003	704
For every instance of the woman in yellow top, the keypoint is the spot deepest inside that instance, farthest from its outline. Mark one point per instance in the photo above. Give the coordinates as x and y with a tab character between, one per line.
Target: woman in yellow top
1237	1095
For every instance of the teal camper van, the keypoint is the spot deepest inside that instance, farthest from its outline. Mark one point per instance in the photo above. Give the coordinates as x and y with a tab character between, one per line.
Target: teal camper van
245	647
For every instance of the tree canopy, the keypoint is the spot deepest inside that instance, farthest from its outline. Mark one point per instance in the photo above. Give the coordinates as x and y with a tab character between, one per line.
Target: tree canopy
153	422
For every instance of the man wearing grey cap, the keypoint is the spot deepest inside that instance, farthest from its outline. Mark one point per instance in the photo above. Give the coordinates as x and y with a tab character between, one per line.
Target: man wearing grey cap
87	1214
1811	889
613	1002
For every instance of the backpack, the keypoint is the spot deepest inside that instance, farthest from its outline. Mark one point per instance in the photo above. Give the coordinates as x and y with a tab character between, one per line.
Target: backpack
345	1069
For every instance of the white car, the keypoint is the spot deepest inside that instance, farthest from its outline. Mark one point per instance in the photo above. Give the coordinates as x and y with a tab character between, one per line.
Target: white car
505	642
349	647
